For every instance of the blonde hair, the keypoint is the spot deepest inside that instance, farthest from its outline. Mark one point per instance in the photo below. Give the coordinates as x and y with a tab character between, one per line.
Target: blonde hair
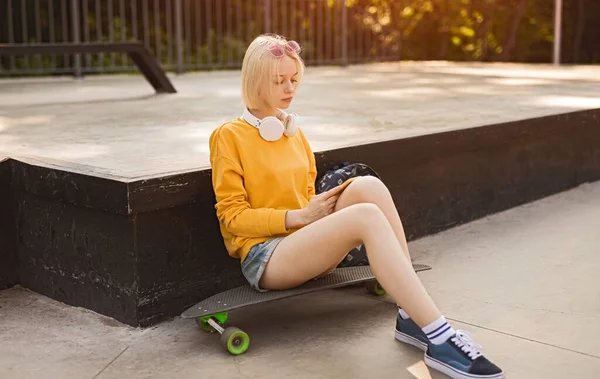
260	68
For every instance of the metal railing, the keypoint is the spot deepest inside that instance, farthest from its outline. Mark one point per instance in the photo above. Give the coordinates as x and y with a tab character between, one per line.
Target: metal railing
193	34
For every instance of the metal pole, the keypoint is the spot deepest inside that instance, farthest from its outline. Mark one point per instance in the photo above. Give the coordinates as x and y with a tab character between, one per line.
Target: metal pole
267	16
557	31
344	33
178	36
76	38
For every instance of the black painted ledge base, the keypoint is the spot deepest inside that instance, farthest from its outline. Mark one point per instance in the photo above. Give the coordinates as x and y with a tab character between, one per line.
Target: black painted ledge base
142	251
8	247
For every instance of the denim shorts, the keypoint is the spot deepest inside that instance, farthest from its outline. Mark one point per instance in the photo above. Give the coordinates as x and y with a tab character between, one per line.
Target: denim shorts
254	265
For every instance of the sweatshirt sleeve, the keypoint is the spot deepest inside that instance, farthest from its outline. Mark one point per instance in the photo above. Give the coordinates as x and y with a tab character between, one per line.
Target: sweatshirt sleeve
233	209
312	169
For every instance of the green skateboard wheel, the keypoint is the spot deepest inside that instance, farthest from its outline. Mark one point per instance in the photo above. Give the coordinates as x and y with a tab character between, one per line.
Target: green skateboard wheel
375	288
235	340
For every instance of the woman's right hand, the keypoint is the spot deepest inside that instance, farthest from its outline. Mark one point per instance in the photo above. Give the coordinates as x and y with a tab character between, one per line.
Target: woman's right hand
321	205
318	207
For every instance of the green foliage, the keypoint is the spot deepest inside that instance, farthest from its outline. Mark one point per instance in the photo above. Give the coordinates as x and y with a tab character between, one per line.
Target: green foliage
483	29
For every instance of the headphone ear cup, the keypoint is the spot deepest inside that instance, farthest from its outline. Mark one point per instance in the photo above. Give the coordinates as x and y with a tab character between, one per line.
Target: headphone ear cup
271	129
291	125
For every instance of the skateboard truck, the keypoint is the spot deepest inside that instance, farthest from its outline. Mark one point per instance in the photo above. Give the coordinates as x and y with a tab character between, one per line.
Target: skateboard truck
233	339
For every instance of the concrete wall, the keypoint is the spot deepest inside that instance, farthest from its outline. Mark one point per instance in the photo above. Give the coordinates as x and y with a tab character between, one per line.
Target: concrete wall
8	262
76	239
145	250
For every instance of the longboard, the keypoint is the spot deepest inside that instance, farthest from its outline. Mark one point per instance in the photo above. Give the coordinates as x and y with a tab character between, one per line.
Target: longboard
211	313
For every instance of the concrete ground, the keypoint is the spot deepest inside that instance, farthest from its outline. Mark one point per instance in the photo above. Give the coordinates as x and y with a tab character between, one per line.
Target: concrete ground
116	125
524	282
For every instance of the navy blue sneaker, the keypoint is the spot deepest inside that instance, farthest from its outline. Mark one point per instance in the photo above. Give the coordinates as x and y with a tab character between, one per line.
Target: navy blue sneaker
459	358
408	331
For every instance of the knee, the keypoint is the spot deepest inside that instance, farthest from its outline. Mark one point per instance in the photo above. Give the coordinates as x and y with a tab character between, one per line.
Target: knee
363	220
364	216
367	189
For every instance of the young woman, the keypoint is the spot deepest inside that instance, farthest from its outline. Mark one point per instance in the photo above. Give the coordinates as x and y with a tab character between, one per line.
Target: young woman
264	172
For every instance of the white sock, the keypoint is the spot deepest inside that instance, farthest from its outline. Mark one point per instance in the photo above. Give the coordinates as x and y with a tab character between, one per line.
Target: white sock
403	314
439	331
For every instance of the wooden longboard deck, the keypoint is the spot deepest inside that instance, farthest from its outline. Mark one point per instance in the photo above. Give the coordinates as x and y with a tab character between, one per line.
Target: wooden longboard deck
245	295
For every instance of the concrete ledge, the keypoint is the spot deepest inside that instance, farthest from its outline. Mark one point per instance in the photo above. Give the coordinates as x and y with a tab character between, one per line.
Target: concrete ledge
143	250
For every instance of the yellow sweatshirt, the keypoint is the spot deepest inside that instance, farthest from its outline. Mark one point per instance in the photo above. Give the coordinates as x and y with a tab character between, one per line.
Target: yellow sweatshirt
256	182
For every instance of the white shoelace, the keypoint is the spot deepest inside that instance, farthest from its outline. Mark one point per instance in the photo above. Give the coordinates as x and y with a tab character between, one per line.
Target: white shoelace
464	340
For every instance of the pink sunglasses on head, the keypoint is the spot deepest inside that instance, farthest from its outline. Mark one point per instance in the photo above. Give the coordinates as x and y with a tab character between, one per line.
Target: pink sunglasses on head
277	49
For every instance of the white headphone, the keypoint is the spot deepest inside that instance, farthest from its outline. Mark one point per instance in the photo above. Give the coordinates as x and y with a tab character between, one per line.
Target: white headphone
273	128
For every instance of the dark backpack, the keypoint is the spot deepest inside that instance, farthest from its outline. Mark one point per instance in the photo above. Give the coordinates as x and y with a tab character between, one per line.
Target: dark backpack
335	177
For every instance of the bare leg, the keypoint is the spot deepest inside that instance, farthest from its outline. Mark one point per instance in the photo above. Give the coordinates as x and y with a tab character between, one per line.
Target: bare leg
369	189
313	249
